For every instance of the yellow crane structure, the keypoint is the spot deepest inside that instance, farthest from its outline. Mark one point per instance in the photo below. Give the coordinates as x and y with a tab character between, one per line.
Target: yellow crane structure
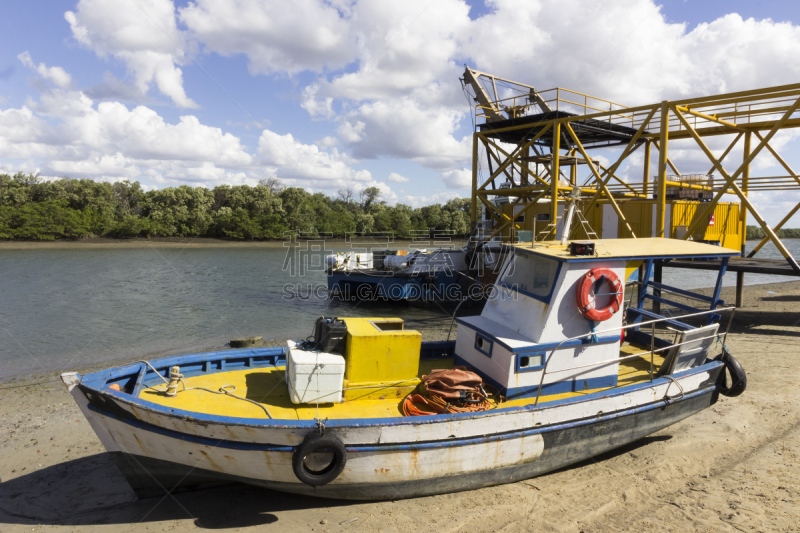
536	141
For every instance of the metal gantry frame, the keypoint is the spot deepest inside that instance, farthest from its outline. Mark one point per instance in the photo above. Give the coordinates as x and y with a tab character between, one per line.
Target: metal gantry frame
530	138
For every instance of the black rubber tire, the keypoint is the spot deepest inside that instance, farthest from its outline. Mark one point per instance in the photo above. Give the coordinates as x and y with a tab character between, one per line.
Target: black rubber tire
738	377
314	443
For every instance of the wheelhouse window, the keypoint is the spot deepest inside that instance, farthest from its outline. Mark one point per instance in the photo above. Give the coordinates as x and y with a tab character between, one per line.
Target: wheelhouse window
531	275
528	361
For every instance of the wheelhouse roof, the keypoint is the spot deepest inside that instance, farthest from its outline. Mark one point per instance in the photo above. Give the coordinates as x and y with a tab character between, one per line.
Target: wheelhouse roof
628	249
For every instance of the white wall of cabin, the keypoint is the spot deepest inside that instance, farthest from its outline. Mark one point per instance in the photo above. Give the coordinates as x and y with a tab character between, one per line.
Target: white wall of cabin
545	324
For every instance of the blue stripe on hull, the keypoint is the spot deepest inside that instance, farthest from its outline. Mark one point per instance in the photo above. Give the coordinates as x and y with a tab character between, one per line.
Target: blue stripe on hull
93	386
452	442
564	445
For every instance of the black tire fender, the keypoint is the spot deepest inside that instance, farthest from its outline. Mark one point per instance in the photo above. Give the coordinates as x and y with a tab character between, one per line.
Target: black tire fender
738	377
314	443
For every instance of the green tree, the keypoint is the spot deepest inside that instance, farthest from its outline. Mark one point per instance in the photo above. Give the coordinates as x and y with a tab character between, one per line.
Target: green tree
298	209
179	211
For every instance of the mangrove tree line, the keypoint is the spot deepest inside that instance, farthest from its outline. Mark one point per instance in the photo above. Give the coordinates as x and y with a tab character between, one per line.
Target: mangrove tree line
37	209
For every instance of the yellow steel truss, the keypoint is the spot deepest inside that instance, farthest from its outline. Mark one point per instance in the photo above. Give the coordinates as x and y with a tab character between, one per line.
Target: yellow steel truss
760	113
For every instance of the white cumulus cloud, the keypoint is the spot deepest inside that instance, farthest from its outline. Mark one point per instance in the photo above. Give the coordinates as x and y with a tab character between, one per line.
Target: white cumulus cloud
143	34
397	178
307	163
285	37
57	75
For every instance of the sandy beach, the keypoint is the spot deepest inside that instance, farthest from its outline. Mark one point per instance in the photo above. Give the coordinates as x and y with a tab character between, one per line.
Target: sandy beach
733	467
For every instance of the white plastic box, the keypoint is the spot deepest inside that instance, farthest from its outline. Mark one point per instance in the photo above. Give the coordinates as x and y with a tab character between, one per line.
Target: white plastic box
313	376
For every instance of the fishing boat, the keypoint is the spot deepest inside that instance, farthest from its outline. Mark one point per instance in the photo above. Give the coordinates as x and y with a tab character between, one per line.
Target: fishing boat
421	275
571	362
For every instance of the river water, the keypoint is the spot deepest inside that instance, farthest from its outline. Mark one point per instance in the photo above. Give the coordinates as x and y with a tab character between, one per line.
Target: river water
70	308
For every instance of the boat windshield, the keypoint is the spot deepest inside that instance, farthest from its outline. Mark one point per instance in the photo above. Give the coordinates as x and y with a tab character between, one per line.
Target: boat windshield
530	275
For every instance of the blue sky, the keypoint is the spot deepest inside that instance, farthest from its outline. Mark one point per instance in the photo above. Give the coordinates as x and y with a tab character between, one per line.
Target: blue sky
327	95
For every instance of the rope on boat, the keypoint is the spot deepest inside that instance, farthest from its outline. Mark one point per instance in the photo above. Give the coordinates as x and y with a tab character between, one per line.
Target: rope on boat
473	400
667	397
222	390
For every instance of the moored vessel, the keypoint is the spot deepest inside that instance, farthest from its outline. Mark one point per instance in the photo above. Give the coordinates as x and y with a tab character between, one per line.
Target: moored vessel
421	275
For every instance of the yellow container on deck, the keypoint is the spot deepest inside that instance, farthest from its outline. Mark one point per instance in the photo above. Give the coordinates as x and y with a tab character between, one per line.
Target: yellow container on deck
382	358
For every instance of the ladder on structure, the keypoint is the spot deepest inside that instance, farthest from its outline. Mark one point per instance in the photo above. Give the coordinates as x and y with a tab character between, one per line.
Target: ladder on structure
587	229
551	229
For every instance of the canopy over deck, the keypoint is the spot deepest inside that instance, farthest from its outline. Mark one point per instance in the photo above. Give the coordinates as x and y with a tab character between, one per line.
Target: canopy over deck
629	249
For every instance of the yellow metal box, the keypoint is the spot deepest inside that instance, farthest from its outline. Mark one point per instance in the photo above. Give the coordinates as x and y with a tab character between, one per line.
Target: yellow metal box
380	353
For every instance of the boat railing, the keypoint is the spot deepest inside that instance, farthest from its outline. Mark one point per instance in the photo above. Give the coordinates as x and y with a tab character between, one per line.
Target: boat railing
652	351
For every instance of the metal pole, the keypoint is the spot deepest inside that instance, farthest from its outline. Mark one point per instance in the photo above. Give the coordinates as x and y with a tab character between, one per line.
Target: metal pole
743	218
646	177
474	203
554	174
657	271
730	321
652	348
662	170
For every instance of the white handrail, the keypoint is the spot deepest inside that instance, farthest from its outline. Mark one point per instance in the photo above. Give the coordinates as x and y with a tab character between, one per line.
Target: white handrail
590	334
609	361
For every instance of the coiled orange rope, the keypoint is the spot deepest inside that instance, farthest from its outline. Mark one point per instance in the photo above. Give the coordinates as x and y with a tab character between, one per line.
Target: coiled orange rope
439	405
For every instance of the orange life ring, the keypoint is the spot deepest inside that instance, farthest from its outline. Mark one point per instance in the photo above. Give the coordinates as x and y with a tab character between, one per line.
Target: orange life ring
585	289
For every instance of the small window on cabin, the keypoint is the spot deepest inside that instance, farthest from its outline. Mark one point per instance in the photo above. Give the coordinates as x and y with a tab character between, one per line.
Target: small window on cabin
483	345
529	361
530	274
543	217
520	218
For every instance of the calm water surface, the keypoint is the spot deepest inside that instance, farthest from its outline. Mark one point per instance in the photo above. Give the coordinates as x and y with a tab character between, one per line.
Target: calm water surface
67	309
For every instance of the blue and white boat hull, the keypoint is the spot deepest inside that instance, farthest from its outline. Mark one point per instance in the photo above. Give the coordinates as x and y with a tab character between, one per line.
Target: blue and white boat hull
162	449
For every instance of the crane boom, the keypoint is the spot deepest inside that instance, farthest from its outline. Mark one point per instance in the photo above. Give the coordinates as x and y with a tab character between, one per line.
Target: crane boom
491	107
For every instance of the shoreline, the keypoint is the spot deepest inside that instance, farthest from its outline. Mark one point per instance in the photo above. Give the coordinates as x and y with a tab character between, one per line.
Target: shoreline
103	243
99	243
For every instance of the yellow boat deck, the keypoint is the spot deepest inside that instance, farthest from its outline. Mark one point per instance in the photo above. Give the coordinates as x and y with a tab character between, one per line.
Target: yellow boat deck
268	387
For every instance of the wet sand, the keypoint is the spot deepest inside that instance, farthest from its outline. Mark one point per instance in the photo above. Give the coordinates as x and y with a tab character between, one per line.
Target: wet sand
733	467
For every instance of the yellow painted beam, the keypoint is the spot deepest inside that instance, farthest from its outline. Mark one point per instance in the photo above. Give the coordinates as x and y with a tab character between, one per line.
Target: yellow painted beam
778	226
606	171
727	150
518	191
490	153
491	208
662	170
712	118
724	130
